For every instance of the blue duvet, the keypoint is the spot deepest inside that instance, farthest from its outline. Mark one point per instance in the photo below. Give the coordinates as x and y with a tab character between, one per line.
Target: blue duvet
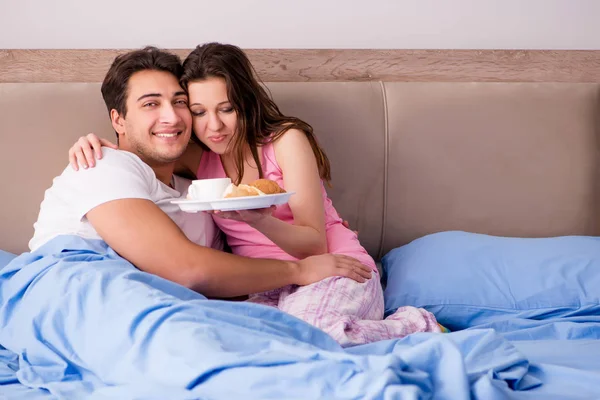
77	321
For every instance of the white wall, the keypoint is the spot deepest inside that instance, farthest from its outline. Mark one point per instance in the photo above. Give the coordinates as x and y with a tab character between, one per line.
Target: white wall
458	24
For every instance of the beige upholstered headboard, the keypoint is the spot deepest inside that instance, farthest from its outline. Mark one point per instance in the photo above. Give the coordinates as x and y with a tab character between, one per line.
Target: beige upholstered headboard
497	142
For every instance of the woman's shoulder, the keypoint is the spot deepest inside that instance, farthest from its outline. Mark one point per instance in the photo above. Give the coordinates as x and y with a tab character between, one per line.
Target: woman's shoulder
290	138
292	149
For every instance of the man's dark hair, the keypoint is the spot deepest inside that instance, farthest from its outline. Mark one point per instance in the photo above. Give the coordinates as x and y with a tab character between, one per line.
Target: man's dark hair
114	86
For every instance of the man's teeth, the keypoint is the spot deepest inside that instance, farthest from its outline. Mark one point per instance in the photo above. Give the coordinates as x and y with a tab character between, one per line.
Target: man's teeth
166	135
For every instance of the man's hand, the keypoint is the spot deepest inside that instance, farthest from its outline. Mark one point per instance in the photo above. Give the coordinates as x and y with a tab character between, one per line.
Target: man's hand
316	268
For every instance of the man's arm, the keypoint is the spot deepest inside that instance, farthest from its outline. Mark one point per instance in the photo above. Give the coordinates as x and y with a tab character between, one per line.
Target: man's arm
144	235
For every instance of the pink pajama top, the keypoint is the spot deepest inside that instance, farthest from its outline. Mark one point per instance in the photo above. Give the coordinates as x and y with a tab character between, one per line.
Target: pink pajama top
247	241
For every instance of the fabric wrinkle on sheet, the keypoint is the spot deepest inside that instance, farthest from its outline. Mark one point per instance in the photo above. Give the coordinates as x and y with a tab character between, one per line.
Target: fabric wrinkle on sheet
351	312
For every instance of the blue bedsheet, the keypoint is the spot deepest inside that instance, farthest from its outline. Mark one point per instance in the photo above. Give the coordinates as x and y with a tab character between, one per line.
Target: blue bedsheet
80	322
5	258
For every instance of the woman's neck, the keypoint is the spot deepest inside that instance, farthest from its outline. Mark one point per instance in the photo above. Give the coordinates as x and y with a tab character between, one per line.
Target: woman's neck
228	161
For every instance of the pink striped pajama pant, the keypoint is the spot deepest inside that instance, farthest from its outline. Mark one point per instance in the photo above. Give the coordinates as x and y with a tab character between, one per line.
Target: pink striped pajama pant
351	312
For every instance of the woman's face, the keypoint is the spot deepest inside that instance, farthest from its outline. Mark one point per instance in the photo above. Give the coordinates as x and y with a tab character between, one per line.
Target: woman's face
213	117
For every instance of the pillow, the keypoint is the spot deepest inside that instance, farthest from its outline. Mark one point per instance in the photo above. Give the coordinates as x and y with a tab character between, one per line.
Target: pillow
5	258
468	279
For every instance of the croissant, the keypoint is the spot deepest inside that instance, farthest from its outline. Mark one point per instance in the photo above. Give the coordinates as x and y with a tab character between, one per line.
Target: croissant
259	187
267	186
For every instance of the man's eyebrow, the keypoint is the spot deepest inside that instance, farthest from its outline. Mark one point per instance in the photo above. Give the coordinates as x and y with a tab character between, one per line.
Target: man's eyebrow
149	95
180	93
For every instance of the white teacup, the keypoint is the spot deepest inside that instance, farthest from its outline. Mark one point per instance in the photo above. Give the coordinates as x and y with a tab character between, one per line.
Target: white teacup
208	189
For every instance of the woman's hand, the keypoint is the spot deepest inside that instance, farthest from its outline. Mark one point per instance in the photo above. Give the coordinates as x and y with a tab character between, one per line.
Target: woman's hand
248	216
85	151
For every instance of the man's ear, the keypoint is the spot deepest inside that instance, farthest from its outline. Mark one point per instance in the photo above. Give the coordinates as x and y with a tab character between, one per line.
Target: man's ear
118	122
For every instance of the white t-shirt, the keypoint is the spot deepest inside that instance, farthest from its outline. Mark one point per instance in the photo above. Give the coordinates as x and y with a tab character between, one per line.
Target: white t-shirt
118	175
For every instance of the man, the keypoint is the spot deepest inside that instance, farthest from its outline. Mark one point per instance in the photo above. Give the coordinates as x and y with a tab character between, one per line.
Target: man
125	199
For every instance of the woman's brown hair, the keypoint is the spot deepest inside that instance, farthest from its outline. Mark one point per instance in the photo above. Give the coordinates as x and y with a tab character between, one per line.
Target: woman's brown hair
259	120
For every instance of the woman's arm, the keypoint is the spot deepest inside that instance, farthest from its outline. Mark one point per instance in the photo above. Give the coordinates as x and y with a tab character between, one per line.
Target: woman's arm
88	148
307	236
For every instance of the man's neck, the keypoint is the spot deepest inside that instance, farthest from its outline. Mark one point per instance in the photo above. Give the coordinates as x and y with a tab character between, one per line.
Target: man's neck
164	173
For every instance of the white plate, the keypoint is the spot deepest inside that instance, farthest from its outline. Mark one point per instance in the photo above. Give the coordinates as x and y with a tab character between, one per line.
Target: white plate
234	203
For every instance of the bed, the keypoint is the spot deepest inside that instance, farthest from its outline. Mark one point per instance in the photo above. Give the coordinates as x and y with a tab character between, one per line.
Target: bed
472	177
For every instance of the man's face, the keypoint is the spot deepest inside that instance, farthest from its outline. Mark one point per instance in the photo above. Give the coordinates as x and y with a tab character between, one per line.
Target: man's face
157	125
